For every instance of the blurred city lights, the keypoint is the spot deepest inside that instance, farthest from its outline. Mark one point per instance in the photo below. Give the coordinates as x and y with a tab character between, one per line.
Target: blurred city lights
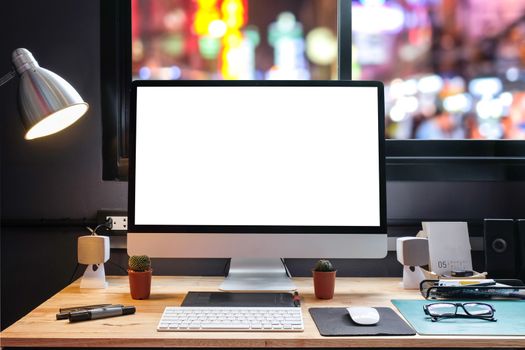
377	18
234	54
145	73
175	20
396	88
206	13
286	37
176	73
372	2
397	113
489	108
137	50
251	33
485	87
209	47
217	28
410	87
409	104
490	130
512	74
506	98
457	103
174	45
430	84
454	85
321	46
286	22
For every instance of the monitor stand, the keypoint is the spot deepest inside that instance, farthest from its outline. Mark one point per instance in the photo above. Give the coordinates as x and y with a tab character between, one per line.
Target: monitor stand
257	275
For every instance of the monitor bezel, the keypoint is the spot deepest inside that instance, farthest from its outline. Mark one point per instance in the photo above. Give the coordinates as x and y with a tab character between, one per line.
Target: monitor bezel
132	227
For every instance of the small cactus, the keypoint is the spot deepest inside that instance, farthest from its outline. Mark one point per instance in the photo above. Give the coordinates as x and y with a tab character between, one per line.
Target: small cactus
324	266
139	263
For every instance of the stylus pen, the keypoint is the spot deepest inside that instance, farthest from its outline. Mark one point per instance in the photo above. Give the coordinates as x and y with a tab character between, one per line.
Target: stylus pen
102	312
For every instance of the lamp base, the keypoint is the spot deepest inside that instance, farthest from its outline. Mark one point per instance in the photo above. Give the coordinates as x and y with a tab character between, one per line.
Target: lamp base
94	277
412	277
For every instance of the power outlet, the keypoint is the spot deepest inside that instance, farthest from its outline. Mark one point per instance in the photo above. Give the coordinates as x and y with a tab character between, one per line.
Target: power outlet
118	223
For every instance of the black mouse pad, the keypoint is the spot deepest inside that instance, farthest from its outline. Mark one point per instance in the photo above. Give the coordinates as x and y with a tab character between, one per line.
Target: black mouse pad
335	321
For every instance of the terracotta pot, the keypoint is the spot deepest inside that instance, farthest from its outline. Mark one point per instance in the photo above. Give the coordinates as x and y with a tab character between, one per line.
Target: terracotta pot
140	284
324	284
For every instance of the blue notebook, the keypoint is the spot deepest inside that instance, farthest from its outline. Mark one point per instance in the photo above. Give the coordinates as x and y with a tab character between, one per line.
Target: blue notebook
510	316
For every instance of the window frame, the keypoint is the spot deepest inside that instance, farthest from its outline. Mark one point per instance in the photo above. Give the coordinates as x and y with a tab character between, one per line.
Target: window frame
406	160
115	81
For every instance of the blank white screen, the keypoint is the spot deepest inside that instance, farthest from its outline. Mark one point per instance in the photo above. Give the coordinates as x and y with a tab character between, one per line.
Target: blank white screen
300	156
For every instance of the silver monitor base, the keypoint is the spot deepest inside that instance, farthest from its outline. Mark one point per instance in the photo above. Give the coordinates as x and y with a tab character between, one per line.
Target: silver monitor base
254	275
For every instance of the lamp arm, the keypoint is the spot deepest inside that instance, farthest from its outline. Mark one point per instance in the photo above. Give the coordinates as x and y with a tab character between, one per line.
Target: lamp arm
7	77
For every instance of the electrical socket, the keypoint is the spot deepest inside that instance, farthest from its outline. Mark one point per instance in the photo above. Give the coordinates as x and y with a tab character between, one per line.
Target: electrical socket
117	219
118	223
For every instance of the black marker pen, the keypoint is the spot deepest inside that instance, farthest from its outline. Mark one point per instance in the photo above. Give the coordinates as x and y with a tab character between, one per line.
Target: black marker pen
64	312
102	312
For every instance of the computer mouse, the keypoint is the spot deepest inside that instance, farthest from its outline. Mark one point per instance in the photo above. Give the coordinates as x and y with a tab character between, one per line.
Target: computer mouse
364	316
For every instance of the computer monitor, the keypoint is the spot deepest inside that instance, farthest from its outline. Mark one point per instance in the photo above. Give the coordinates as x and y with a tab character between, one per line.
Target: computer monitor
255	170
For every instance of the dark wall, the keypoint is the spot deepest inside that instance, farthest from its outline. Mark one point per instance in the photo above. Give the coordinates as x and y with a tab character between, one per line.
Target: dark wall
61	176
58	176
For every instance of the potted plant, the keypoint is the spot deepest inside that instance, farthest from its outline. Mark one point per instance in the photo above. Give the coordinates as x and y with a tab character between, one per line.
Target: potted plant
324	279
139	272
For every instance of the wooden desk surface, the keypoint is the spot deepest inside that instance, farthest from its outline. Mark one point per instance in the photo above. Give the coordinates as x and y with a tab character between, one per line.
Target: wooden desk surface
40	329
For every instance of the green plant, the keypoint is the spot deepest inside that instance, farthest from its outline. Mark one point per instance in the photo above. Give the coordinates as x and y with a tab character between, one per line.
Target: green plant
324	266
139	263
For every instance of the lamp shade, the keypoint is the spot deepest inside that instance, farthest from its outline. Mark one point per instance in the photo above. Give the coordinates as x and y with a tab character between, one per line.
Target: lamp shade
47	103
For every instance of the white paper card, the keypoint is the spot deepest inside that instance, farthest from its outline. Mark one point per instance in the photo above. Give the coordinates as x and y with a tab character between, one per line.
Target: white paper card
449	246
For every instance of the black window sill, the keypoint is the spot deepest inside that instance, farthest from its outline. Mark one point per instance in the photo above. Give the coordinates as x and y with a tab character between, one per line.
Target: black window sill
455	160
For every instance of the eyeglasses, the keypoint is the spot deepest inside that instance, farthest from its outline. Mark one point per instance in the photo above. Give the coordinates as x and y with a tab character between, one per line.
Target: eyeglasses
450	310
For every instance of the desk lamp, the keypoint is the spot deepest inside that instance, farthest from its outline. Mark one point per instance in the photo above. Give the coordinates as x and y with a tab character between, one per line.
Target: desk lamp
47	103
412	253
93	251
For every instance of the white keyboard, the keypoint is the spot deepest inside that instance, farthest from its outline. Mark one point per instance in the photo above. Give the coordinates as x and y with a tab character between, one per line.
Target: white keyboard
231	319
